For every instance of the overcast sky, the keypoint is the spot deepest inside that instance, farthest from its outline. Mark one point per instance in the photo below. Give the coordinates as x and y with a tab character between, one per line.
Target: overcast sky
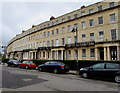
18	16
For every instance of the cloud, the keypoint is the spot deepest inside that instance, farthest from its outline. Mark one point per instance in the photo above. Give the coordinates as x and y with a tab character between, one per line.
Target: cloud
18	16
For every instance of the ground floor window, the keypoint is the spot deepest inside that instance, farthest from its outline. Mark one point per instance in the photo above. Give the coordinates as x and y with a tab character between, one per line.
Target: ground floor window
76	53
92	52
68	54
83	53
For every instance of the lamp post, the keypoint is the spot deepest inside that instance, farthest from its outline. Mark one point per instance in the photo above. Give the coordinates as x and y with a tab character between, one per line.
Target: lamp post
76	37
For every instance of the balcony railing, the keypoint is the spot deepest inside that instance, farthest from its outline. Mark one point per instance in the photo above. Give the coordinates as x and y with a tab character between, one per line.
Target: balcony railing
80	44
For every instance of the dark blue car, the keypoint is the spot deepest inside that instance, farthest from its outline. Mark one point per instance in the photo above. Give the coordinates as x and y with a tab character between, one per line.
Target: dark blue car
54	66
102	70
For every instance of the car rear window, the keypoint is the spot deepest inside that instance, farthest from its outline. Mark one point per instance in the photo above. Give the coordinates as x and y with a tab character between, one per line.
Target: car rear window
110	66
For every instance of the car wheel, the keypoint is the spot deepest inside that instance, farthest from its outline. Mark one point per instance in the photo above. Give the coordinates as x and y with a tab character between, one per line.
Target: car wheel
117	79
85	75
55	71
40	69
26	67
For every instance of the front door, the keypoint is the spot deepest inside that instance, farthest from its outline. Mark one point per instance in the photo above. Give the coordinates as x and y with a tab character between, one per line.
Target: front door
113	52
101	53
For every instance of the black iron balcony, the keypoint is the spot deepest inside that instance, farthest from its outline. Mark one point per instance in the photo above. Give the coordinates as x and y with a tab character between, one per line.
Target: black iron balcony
80	44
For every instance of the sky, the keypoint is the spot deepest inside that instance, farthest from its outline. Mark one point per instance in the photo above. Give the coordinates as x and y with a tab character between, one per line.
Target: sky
21	15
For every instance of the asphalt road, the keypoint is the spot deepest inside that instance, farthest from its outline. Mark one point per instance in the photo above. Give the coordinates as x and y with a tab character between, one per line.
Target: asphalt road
16	79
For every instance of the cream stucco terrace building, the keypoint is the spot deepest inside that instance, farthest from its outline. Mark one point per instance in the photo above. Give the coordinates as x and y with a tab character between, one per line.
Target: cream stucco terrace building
89	33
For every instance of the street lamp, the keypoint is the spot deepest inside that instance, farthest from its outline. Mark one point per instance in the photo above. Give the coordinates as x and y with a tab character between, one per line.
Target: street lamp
76	41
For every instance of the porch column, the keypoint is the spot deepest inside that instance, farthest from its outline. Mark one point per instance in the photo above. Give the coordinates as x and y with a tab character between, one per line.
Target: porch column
35	55
108	53
51	55
105	54
32	55
118	52
57	54
61	54
96	53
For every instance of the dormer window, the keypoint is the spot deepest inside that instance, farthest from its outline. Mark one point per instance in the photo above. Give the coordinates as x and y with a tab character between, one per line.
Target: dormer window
75	16
83	13
111	4
99	8
63	20
91	11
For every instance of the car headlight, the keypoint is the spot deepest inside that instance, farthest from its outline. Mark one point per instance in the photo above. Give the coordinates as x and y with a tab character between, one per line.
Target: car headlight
81	69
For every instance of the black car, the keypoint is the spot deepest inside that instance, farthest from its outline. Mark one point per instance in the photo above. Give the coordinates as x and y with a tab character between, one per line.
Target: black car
53	66
13	63
102	70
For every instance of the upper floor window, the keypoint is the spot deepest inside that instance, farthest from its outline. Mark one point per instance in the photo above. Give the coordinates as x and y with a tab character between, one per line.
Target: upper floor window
91	36
56	42
57	31
83	24
44	26
113	34
52	23
63	29
91	22
52	32
63	20
56	21
40	35
69	28
69	40
69	17
100	20
99	8
101	36
75	39
48	43
40	44
91	11
44	34
52	42
63	41
83	37
44	43
112	18
48	34
48	25
111	4
75	16
82	13
76	26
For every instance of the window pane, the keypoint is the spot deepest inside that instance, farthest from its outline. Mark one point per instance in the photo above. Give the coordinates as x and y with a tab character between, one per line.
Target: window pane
98	66
113	34
110	66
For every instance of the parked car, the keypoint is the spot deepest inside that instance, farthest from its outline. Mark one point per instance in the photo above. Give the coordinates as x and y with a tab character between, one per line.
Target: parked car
13	63
102	70
27	64
53	66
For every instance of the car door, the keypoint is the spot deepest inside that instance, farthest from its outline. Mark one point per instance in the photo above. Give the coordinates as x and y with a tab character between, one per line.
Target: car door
46	66
110	70
98	70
